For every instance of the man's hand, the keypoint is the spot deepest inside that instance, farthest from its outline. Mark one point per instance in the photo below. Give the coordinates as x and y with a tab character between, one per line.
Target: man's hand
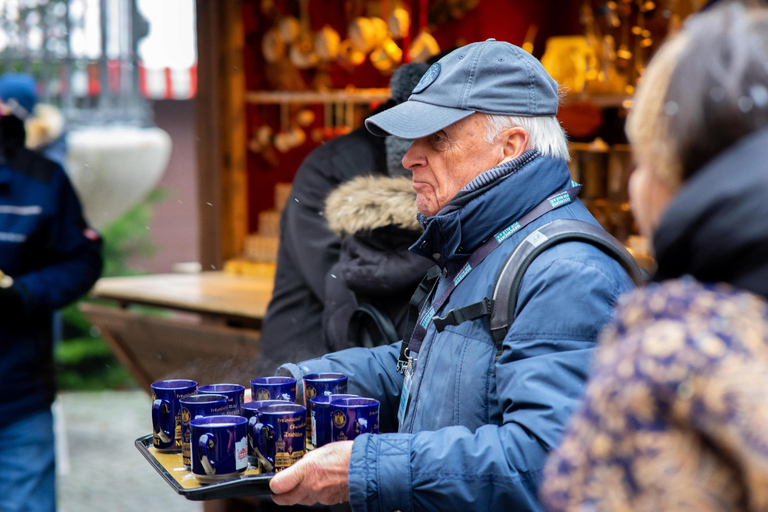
319	477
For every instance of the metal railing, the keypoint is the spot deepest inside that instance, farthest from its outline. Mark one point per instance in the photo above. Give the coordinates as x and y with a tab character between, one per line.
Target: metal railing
83	54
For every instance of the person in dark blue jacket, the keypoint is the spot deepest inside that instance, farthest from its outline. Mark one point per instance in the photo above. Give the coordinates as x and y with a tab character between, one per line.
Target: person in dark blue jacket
49	256
470	428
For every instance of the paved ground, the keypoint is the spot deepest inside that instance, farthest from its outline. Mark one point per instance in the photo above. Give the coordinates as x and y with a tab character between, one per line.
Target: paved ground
99	468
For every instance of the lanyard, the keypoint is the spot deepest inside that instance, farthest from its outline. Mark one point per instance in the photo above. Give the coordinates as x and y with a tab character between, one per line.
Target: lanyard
553	202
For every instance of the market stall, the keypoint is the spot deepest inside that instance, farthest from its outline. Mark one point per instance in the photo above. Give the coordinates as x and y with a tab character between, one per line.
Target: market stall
277	78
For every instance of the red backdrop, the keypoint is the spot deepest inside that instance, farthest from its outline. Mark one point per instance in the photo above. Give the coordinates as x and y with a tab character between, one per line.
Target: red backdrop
506	20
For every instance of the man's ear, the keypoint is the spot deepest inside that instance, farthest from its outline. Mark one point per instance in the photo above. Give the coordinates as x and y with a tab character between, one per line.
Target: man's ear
515	142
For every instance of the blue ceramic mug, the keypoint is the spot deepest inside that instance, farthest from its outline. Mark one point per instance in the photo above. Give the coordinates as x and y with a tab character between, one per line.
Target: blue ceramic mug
280	435
351	417
273	388
166	412
251	413
320	420
198	406
319	384
219	447
234	392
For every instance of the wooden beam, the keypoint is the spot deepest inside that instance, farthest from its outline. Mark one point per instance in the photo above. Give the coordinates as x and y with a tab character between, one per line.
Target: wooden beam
209	120
234	178
222	179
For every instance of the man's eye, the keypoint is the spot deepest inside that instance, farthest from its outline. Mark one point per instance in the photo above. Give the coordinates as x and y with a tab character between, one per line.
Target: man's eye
437	141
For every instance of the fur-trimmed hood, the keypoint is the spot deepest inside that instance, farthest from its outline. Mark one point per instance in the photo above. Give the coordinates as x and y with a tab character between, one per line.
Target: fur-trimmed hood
370	202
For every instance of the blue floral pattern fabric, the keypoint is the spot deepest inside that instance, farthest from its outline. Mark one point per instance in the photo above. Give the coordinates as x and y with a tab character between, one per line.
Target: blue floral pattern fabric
675	415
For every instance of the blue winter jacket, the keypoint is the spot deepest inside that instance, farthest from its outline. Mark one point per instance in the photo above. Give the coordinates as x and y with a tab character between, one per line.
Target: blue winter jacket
477	430
53	257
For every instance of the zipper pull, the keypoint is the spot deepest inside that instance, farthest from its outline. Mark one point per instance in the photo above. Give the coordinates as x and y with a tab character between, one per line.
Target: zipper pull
409	368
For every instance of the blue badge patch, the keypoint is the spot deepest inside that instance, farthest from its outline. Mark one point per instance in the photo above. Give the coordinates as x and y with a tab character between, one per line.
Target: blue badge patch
430	76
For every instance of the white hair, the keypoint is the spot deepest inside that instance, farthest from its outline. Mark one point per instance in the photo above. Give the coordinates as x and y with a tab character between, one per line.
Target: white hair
544	133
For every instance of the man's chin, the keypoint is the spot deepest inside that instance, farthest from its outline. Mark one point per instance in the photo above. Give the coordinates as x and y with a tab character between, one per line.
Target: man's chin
426	208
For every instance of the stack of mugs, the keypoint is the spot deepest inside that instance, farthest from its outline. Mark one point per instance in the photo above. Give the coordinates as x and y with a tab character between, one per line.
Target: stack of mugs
219	434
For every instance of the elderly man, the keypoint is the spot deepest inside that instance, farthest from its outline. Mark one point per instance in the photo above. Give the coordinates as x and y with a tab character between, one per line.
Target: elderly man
473	424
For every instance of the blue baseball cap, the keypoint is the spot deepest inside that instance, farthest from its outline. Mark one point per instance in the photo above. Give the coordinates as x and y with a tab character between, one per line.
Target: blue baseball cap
21	88
491	77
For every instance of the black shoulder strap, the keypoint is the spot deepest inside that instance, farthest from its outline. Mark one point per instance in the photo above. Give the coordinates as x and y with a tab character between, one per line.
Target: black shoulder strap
414	307
511	275
369	327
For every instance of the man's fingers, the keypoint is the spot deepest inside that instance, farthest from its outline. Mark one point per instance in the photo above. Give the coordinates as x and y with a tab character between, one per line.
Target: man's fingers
301	496
321	476
308	501
293	497
287	479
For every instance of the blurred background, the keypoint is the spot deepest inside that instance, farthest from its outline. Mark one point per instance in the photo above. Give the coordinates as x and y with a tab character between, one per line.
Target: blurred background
186	121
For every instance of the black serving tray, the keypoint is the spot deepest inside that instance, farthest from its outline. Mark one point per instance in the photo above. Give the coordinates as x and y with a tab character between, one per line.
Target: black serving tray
251	483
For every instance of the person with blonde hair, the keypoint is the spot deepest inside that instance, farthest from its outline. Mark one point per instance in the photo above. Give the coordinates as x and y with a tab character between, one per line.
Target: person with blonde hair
675	412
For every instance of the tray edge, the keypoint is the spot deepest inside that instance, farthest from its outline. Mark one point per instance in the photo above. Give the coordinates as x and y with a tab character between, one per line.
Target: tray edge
239	487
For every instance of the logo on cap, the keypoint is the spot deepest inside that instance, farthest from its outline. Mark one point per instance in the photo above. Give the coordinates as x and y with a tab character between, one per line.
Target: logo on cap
430	76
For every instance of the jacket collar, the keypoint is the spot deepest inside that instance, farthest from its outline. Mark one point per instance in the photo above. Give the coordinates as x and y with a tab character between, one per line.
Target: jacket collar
6	173
472	217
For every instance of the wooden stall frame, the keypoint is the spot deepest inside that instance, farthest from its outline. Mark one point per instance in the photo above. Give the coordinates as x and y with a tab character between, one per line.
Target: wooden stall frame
221	132
170	344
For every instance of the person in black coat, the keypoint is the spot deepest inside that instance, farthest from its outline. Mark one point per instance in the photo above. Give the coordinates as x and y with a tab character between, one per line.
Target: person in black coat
368	290
308	248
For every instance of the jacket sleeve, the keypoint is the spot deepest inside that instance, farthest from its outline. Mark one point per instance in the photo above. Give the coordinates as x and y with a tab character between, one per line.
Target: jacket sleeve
371	372
539	379
72	256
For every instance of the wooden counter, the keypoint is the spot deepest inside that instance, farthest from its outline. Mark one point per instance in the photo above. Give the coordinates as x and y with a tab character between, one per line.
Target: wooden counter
216	293
207	329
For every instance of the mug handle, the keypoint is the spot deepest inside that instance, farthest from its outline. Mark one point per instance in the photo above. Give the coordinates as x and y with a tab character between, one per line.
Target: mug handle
204	443
260	439
161	408
252	437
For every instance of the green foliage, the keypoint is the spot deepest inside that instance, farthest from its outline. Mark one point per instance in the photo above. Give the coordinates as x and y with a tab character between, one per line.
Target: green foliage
88	364
83	359
128	237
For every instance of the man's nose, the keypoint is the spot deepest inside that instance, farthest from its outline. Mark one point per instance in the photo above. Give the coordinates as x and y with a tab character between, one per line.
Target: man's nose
414	156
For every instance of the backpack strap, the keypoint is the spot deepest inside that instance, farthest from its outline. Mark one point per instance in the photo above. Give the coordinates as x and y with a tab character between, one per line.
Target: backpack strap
460	315
369	327
418	298
510	277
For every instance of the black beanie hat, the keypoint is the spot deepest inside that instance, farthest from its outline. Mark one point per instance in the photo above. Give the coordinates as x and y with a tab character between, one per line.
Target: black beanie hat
405	79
